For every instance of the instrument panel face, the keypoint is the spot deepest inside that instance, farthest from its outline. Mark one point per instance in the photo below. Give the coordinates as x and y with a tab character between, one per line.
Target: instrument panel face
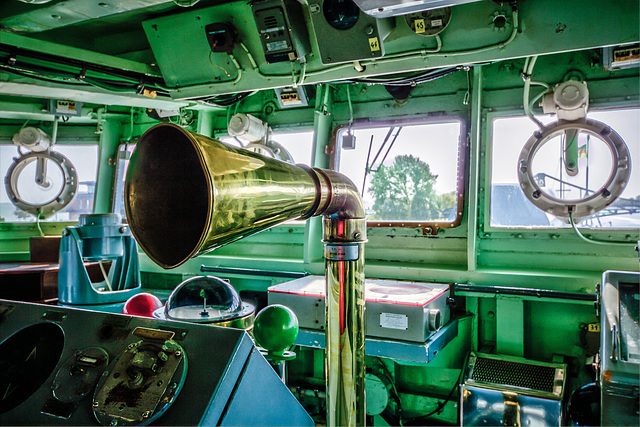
66	366
28	357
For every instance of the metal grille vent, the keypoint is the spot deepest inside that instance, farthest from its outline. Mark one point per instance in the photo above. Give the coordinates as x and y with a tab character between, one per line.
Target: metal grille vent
502	372
270	22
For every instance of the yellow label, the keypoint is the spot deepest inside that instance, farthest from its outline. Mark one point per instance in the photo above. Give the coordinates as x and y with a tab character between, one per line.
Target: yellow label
374	45
418	25
593	327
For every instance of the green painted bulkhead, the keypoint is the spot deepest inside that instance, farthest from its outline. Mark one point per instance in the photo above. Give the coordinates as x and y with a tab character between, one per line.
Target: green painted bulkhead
165	44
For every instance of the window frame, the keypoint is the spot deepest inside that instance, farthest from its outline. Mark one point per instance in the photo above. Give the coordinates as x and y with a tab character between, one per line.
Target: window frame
119	175
488	116
429	228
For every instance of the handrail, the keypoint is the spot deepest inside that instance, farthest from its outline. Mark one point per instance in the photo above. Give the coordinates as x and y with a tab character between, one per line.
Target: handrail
253	272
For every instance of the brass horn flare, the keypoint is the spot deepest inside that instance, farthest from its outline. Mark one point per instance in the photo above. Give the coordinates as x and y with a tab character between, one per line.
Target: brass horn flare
186	194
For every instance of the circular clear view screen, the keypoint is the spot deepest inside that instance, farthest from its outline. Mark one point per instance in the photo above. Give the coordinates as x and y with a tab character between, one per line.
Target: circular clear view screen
34	193
572	173
41	183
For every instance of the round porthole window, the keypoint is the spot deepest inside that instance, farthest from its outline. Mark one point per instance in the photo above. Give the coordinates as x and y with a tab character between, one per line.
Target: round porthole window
600	168
41	183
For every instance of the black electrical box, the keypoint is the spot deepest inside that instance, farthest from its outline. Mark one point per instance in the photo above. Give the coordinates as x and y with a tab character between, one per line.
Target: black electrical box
221	36
282	29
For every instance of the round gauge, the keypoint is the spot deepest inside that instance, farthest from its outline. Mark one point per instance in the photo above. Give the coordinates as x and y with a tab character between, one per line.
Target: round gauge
341	14
79	374
429	22
28	358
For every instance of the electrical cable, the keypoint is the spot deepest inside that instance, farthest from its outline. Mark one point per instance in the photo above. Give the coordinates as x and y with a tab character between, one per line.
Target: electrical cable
38	219
217	66
302	76
387	373
226	100
350	106
112	85
84	66
438	47
37	77
596	241
442	404
529	63
51	75
253	61
413	80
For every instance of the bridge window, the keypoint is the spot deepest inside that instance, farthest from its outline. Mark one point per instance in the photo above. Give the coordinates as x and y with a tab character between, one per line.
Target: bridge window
85	161
410	173
510	207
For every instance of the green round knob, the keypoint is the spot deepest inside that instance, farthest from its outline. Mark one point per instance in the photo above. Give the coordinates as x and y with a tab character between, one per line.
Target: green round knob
275	328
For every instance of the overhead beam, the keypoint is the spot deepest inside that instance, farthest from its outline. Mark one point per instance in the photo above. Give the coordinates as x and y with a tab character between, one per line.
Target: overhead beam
109	61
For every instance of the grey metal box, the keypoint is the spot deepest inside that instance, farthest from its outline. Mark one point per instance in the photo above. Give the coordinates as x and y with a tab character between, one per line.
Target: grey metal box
409	311
620	348
507	390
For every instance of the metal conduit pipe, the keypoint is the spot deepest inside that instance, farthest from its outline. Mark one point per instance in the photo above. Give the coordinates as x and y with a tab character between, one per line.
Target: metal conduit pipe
540	293
187	194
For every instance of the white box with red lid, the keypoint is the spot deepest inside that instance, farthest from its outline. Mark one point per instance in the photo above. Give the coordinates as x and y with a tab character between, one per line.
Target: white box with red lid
394	309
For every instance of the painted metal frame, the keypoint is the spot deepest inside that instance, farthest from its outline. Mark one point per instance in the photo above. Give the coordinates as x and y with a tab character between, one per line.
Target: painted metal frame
427	227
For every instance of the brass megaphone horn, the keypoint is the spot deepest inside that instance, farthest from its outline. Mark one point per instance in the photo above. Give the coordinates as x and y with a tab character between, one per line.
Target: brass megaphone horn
186	194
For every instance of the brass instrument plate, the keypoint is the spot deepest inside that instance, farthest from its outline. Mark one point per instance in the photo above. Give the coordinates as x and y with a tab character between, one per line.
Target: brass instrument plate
123	400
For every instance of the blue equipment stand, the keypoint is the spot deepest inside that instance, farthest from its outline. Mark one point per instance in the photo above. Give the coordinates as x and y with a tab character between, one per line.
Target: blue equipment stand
98	237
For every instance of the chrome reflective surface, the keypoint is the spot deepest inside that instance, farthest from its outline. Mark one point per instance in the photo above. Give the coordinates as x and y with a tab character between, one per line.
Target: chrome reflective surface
345	325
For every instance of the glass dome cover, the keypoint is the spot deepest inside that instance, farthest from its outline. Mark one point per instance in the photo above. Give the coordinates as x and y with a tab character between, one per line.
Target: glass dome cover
204	299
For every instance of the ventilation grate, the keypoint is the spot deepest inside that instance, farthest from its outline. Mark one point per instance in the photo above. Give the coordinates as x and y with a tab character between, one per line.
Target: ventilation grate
270	22
502	372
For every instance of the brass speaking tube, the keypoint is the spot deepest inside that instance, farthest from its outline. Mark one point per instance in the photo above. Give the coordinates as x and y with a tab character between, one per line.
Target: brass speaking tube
187	194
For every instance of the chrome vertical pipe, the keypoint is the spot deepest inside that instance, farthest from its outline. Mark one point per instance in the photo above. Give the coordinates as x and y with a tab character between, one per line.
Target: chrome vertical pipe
344	268
344	236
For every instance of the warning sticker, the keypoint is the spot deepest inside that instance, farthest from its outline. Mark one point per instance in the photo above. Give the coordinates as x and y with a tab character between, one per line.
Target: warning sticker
394	321
418	24
374	44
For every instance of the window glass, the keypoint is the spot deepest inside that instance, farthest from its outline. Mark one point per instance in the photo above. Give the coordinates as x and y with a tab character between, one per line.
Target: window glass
406	172
85	160
298	144
510	207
